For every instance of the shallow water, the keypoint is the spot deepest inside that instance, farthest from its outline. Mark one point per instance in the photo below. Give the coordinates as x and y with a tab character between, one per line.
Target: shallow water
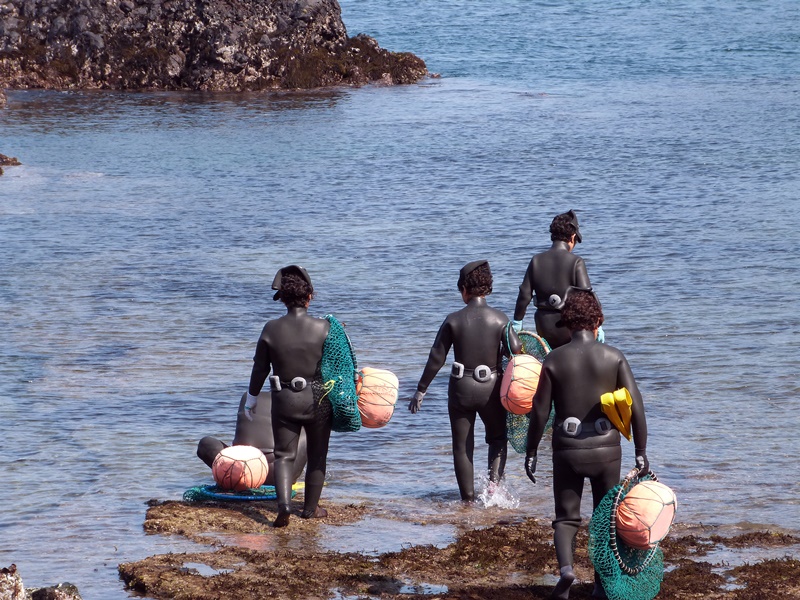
141	234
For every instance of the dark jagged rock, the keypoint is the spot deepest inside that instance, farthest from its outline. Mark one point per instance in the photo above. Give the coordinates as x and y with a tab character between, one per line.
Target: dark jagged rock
7	161
62	591
189	44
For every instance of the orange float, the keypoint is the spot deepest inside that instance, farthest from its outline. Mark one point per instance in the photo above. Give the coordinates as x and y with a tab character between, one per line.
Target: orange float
239	468
377	391
520	381
645	515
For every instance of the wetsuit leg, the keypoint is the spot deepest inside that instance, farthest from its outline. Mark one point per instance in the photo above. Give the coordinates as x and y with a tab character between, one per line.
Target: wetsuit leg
606	479
318	435
208	448
287	435
493	416
567	492
462	428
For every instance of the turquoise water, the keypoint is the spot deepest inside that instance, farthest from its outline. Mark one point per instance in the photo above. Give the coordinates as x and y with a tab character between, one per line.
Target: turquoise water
140	237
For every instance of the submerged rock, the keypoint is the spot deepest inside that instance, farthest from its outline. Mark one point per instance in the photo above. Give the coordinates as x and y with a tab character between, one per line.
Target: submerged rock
62	591
190	44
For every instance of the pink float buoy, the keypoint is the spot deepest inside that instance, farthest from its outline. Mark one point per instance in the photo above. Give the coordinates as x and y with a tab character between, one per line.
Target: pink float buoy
377	391
239	468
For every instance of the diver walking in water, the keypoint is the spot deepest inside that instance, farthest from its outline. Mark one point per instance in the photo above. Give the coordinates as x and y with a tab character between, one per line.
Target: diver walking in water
585	444
290	347
476	335
547	278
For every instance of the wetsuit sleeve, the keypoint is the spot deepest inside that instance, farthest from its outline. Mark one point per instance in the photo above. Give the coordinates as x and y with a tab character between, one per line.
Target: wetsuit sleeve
638	419
511	343
525	294
581	275
261	367
441	346
542	401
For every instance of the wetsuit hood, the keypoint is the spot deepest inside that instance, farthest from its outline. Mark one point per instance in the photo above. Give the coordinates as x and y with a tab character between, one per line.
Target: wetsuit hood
467	269
297	270
574	222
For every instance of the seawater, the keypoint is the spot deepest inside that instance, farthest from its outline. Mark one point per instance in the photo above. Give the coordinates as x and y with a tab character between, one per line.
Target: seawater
140	237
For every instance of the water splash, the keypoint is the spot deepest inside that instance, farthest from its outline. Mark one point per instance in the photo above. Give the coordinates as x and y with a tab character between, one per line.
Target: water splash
497	494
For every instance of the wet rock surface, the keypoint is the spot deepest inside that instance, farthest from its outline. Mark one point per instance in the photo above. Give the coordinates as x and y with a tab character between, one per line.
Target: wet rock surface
209	45
12	588
509	560
7	161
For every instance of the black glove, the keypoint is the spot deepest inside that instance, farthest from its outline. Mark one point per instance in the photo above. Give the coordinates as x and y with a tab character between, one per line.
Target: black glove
642	463
530	466
415	403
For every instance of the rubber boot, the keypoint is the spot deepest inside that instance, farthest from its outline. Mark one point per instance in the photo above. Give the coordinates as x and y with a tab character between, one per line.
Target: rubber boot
561	591
284	514
311	508
498	452
598	592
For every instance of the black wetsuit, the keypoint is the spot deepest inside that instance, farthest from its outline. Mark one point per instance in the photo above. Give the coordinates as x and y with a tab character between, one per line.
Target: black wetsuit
291	347
573	378
256	432
550	272
475	333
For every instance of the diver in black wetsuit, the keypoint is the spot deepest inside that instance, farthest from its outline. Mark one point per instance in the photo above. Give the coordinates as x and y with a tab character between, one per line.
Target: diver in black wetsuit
547	278
585	444
254	430
291	348
476	333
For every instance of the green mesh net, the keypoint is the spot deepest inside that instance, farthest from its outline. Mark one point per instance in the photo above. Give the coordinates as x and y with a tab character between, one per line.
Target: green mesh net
213	492
626	573
338	368
517	425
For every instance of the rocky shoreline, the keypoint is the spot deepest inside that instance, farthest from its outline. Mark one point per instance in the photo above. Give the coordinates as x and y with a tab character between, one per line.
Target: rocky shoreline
210	45
508	560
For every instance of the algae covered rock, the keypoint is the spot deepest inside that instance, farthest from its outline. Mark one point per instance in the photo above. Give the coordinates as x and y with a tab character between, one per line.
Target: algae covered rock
233	45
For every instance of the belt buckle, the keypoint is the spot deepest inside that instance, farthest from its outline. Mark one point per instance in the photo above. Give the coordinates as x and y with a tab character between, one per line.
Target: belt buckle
572	426
482	373
457	371
603	426
298	384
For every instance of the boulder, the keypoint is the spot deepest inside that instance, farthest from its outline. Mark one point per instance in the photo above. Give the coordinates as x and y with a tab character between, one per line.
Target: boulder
11	587
213	45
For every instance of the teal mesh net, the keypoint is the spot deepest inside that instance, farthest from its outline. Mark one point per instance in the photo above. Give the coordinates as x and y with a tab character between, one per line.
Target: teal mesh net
213	492
338	368
517	425
626	573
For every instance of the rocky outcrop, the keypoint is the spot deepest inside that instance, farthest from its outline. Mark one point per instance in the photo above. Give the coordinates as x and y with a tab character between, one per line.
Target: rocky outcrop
8	161
189	44
12	588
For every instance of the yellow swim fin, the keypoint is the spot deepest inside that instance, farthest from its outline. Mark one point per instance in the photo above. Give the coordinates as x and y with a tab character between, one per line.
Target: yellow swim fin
611	404
623	400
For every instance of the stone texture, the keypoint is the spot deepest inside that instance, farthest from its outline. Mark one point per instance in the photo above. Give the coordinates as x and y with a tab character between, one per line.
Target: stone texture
189	44
11	587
